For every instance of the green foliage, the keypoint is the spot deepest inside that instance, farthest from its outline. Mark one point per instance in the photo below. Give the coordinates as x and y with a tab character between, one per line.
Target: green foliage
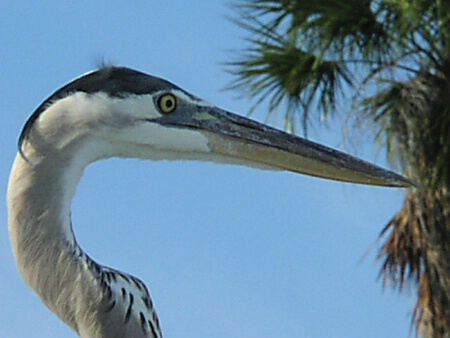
285	72
413	119
297	49
391	58
304	56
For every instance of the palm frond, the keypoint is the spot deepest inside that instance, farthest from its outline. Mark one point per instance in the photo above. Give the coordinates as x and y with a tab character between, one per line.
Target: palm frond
392	58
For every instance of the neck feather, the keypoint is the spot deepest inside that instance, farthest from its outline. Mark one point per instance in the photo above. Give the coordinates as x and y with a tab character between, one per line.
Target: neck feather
40	192
90	298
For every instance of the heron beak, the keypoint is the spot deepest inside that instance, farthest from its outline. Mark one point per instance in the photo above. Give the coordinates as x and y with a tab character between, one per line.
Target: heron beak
238	137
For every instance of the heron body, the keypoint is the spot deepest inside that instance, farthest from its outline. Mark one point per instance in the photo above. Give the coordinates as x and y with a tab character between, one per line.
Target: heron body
120	112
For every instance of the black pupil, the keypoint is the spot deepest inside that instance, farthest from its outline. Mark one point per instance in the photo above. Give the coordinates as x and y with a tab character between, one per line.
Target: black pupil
169	103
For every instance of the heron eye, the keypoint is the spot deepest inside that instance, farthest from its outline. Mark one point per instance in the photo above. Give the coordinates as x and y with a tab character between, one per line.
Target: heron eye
167	103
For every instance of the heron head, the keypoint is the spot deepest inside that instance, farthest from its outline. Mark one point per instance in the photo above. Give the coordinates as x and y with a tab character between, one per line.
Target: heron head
118	111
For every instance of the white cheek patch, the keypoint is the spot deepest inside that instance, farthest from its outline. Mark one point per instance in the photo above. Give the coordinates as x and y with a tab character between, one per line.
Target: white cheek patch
165	138
68	119
81	109
178	139
136	106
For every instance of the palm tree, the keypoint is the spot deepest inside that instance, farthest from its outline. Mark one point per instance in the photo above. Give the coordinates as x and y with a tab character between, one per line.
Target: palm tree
392	59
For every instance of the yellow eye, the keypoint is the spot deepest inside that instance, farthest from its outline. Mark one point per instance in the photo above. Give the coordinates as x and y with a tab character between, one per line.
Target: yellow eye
167	103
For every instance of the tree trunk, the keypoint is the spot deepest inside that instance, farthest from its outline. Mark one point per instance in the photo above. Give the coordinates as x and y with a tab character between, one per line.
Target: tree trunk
418	249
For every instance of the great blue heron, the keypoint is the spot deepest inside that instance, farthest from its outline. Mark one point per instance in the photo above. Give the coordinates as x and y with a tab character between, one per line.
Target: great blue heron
120	112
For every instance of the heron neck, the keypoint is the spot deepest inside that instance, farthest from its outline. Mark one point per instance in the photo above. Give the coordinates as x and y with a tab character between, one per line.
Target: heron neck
39	199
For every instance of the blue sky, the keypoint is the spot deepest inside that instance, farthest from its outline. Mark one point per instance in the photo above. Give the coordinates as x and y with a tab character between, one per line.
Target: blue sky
225	251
